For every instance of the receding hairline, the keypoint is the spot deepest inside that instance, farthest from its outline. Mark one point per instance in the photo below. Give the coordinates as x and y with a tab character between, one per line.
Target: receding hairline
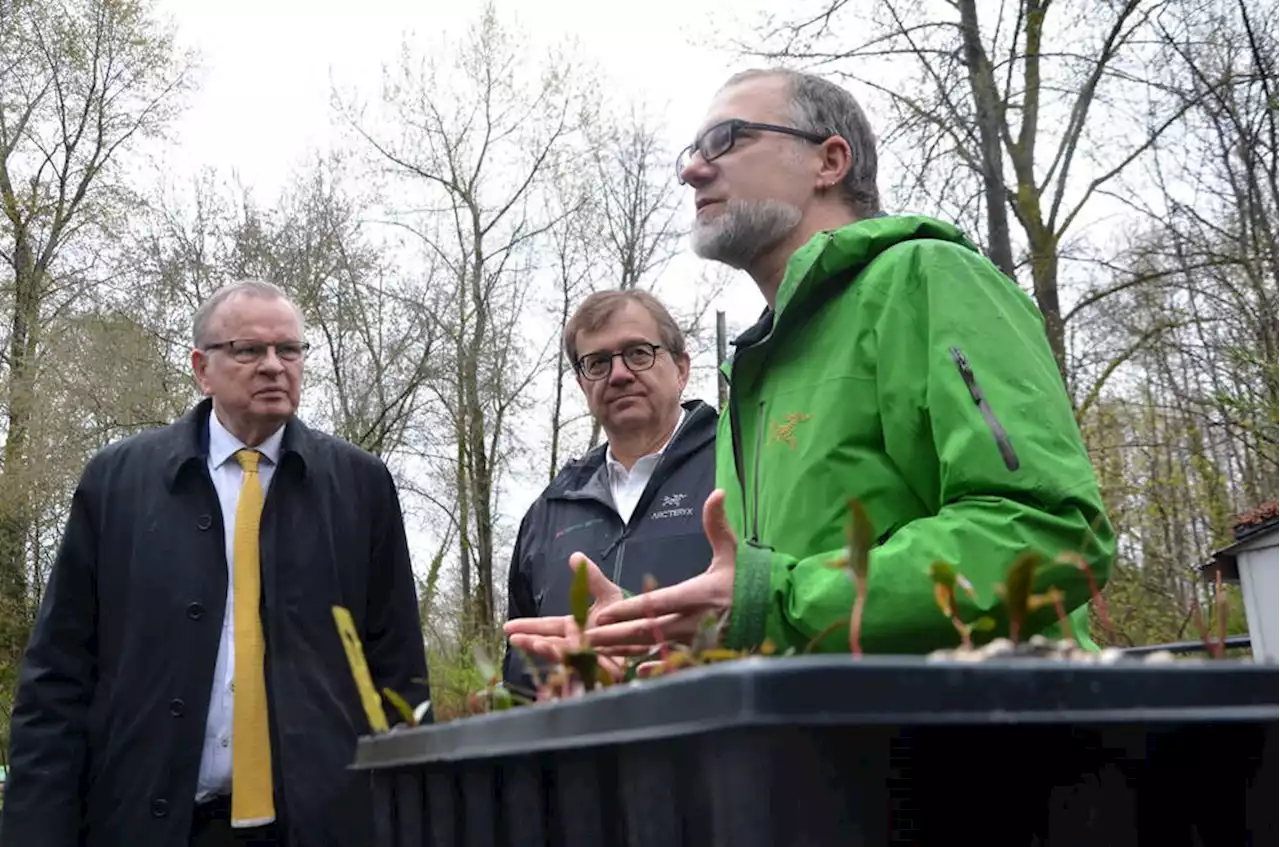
786	76
212	308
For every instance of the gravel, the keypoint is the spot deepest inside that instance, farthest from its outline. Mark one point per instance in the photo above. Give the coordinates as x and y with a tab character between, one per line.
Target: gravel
1039	647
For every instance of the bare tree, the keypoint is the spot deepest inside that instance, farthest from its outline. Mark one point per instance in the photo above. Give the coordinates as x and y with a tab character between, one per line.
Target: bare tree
477	149
374	338
1191	421
80	82
575	243
637	210
1028	105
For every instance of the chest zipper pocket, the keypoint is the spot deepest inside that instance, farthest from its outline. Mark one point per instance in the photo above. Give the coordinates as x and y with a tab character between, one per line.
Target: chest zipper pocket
980	400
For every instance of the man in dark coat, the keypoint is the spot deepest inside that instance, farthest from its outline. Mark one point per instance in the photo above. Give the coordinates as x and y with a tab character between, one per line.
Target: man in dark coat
633	505
187	602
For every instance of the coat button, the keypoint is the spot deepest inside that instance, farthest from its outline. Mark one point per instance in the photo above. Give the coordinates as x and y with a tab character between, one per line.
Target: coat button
195	611
204	522
159	807
177	707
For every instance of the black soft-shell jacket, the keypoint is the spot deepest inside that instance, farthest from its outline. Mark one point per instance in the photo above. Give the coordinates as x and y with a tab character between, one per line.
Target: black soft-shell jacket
575	514
109	719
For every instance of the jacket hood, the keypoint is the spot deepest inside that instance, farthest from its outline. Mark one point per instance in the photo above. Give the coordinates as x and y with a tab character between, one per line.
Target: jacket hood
832	259
698	428
837	256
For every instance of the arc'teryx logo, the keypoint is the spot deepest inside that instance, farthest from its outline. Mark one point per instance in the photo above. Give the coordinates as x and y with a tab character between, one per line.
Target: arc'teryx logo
671	508
786	432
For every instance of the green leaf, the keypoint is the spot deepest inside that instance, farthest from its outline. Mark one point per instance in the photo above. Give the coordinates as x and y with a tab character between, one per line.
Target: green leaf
722	654
401	705
484	664
584	662
983	624
860	536
501	698
580	594
1017	586
943	574
707	636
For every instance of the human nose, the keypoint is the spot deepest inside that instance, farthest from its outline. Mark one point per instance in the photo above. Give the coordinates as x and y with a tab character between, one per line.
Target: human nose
618	370
696	171
270	362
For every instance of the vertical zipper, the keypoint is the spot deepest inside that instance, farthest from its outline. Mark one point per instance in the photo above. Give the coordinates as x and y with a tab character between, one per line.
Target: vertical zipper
617	563
980	400
735	431
755	477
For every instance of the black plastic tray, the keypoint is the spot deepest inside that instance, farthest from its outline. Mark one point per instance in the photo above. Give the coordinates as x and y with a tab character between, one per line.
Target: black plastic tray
828	750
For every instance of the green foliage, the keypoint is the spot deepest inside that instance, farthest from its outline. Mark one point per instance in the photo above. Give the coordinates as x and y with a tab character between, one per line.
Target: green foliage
455	676
580	595
401	706
1016	590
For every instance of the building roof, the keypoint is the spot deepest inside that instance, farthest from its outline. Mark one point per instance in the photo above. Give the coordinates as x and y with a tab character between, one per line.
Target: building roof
1254	522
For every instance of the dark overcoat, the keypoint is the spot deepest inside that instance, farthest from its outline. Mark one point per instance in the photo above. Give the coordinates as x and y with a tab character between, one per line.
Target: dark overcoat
109	719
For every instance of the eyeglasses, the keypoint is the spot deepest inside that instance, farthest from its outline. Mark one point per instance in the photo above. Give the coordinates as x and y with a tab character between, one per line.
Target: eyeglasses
637	357
720	138
247	352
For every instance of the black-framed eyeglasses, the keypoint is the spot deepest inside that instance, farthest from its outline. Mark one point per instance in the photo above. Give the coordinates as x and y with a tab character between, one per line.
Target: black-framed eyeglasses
719	139
637	357
247	351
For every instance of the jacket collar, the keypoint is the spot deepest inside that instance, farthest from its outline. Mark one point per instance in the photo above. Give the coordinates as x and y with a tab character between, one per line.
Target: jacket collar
185	442
587	476
830	261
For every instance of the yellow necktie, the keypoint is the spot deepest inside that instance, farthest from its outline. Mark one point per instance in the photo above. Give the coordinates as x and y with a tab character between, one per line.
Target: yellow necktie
252	802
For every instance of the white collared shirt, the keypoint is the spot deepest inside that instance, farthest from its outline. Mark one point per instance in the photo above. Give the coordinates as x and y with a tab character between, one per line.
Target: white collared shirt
626	486
215	758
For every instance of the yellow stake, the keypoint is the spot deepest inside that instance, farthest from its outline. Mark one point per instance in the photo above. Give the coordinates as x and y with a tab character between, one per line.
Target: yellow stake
360	670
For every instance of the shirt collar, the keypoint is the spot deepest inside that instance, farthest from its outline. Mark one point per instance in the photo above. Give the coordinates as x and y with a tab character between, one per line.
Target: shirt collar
223	445
616	467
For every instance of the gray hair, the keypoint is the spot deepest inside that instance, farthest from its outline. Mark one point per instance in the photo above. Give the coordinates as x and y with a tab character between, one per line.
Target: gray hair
823	108
200	324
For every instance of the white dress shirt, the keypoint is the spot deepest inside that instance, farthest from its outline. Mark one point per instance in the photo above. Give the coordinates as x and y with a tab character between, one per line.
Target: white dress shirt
626	486
215	759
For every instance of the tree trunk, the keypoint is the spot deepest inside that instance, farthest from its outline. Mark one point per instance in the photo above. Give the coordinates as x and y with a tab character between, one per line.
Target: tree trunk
989	120
15	517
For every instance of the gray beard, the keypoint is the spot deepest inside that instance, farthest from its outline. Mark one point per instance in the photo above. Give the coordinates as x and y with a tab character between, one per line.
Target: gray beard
743	231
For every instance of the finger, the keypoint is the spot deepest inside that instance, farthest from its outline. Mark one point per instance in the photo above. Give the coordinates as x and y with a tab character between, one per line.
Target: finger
551	649
633	632
679	599
724	543
600	586
614	667
645	670
621	650
557	625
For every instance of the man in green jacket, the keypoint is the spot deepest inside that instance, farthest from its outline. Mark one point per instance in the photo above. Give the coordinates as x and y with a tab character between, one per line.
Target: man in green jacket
894	364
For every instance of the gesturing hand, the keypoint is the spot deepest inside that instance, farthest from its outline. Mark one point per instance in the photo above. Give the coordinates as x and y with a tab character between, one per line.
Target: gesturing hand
553	636
676	610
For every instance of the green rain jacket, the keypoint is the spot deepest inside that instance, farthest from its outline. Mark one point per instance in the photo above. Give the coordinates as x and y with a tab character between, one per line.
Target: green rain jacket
900	367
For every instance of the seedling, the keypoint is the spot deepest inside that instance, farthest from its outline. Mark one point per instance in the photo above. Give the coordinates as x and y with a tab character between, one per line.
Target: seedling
945	581
1016	590
1055	597
650	583
1217	649
856	559
582	659
1070	557
495	696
